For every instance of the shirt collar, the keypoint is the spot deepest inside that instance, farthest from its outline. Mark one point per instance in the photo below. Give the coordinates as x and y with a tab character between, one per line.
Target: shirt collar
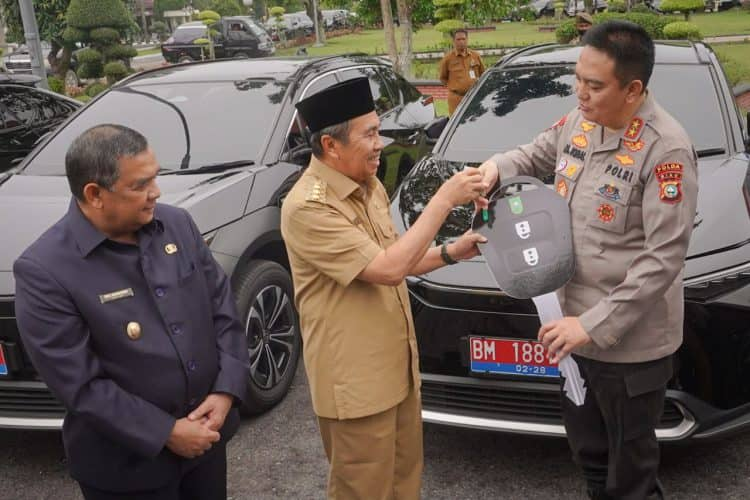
458	53
341	185
88	237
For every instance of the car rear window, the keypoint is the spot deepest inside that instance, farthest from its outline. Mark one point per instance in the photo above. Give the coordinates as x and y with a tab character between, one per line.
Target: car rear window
187	35
222	121
514	105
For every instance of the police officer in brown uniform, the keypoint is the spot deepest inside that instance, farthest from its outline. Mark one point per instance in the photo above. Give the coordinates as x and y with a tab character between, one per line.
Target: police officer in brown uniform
460	68
348	268
629	173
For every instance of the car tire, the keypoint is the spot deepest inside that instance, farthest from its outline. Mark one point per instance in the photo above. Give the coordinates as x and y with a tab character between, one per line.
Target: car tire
265	303
185	59
71	79
241	55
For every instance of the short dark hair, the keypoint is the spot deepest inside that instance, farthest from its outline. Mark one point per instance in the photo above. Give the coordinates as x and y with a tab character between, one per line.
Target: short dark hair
629	45
459	30
94	156
340	132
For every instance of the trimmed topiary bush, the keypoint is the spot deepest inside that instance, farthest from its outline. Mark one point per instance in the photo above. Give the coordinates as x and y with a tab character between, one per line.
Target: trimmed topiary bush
685	7
617	6
120	52
104	36
566	31
449	26
56	84
88	55
652	23
682	30
95	89
90	14
115	71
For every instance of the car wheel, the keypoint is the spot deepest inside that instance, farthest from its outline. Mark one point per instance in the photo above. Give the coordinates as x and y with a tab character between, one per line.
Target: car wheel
185	59
265	294
71	79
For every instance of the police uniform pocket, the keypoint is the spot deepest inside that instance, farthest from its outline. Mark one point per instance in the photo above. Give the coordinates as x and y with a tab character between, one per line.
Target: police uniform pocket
611	205
186	273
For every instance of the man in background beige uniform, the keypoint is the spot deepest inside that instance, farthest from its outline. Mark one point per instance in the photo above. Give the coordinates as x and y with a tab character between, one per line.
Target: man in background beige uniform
348	268
629	173
460	68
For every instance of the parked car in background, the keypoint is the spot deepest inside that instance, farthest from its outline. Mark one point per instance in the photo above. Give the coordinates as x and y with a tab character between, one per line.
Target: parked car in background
230	145
335	18
717	5
572	7
233	37
18	62
456	306
292	25
26	115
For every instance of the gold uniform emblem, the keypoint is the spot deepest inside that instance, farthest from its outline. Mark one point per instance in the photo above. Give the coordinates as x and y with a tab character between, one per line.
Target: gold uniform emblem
317	192
170	248
133	330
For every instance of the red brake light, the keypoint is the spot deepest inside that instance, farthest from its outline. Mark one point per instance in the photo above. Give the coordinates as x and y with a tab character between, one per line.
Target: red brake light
428	99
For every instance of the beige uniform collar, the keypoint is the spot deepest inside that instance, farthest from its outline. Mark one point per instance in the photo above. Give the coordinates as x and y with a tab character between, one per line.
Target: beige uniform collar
341	185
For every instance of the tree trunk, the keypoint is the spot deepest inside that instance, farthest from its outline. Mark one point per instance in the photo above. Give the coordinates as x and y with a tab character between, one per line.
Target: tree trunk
146	35
390	35
588	6
406	51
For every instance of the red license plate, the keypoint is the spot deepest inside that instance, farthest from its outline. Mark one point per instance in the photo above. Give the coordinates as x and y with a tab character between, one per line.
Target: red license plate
510	356
3	362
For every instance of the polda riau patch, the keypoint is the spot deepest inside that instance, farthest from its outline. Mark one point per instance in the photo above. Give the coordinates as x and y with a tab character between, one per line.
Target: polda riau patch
669	176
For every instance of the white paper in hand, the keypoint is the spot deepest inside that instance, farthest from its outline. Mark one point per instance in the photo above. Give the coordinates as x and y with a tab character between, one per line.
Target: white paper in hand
548	308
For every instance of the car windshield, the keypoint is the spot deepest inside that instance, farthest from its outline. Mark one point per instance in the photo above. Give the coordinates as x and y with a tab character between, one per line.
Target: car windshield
515	105
221	121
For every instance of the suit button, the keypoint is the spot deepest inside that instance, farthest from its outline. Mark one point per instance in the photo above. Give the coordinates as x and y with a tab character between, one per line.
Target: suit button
192	365
160	292
176	329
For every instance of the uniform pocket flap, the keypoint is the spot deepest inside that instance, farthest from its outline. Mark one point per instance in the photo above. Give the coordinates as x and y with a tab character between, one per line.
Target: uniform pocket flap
614	192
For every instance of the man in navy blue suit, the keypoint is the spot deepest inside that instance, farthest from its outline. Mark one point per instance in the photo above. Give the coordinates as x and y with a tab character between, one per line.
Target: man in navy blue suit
130	321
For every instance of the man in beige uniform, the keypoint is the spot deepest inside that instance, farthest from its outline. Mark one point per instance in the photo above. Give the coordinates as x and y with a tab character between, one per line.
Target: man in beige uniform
629	173
348	267
460	68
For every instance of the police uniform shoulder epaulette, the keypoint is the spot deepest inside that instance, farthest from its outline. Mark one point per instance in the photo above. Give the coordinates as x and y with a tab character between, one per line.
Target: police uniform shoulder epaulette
316	190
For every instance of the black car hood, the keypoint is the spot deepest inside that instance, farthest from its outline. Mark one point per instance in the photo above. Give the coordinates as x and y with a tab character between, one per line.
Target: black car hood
720	240
29	205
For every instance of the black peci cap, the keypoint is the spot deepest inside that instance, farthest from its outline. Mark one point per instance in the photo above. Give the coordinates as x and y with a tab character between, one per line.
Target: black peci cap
337	104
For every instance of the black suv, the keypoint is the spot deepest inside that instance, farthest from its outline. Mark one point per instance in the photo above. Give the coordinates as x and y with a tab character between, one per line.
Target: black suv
519	97
230	145
238	37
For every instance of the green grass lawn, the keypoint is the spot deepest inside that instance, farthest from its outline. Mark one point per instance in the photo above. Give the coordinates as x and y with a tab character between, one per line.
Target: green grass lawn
373	41
729	22
735	58
148	52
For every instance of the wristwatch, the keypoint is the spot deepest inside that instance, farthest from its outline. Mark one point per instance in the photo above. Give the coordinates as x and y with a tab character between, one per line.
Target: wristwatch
444	254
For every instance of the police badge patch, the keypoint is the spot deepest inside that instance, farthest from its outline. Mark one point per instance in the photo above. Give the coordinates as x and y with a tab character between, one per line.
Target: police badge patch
669	176
606	212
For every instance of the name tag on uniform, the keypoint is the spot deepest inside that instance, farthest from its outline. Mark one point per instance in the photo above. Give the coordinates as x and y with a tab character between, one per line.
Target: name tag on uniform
472	75
119	294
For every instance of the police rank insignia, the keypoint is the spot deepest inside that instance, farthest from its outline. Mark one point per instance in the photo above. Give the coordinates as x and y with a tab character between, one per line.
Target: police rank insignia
562	188
571	170
633	132
560	122
170	248
669	176
119	294
625	160
580	141
561	166
587	127
606	212
634	146
317	192
610	191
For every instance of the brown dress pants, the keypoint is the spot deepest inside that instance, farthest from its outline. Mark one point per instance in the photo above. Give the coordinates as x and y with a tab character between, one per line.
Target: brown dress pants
378	456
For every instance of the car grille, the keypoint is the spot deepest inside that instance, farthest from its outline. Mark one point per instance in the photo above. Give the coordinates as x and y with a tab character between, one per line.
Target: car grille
23	395
540	404
18	66
28	399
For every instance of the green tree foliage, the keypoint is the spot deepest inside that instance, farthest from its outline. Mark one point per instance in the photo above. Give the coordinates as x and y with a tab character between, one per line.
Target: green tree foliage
653	24
685	7
369	12
482	12
226	7
89	14
160	6
449	14
115	71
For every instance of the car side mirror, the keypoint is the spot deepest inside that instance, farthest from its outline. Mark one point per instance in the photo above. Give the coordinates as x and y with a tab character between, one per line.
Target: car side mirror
436	127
